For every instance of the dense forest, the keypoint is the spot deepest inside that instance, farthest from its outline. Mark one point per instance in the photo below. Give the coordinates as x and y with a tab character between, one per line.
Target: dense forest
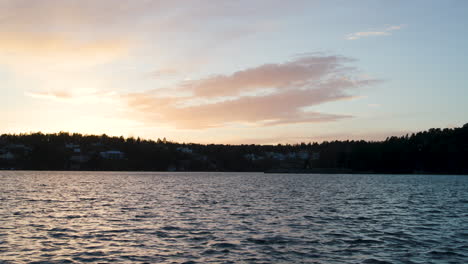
442	151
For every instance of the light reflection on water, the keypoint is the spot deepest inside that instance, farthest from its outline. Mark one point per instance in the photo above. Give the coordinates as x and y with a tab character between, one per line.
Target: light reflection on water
96	217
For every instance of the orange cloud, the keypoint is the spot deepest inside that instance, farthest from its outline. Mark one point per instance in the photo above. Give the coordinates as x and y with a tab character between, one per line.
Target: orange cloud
64	33
32	48
306	81
88	32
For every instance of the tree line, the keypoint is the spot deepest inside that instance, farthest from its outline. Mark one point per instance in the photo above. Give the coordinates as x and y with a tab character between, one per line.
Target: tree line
443	151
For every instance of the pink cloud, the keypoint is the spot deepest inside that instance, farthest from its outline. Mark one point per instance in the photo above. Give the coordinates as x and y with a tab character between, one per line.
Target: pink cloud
301	72
303	82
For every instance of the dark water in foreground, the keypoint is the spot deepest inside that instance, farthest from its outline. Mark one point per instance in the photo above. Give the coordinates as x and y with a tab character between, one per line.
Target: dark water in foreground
62	217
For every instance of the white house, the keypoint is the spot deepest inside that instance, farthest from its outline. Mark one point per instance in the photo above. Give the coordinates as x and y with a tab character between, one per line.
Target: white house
18	147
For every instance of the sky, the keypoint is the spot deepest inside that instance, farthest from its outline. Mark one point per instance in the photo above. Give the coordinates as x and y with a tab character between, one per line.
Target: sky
233	72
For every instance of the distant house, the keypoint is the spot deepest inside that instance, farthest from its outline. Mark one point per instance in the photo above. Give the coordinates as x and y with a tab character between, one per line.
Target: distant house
112	154
275	155
18	147
72	146
13	151
185	150
302	155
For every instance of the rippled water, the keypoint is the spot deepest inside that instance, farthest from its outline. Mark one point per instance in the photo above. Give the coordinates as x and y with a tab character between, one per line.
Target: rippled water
95	217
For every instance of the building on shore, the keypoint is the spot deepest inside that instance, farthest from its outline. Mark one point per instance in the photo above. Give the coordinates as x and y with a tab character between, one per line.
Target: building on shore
112	154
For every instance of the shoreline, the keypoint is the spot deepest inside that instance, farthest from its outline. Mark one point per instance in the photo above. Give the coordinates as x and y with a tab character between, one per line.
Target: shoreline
331	172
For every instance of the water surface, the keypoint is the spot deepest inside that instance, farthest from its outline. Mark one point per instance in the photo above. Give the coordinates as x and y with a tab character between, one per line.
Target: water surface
120	217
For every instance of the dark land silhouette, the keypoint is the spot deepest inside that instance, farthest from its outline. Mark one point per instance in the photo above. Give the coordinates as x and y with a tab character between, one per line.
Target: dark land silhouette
438	151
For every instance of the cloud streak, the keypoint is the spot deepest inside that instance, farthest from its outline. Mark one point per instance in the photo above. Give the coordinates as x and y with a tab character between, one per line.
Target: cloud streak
270	94
385	32
87	96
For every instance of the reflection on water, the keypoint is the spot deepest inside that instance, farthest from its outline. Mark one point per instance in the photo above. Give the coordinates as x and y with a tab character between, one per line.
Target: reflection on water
95	217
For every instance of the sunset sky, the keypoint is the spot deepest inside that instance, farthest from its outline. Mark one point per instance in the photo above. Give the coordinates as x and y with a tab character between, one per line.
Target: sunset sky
214	71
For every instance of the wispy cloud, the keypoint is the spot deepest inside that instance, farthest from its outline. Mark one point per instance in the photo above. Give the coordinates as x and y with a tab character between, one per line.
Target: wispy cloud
50	94
86	96
89	32
55	32
384	32
270	94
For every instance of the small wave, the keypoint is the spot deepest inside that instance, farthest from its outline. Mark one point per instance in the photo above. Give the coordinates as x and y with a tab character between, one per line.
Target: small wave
93	259
210	252
56	229
63	235
59	261
95	254
224	245
364	241
333	234
171	228
145	216
73	216
269	240
305	254
375	261
160	234
445	253
115	231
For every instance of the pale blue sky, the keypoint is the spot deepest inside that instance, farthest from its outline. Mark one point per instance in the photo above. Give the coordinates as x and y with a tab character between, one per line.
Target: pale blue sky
189	71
